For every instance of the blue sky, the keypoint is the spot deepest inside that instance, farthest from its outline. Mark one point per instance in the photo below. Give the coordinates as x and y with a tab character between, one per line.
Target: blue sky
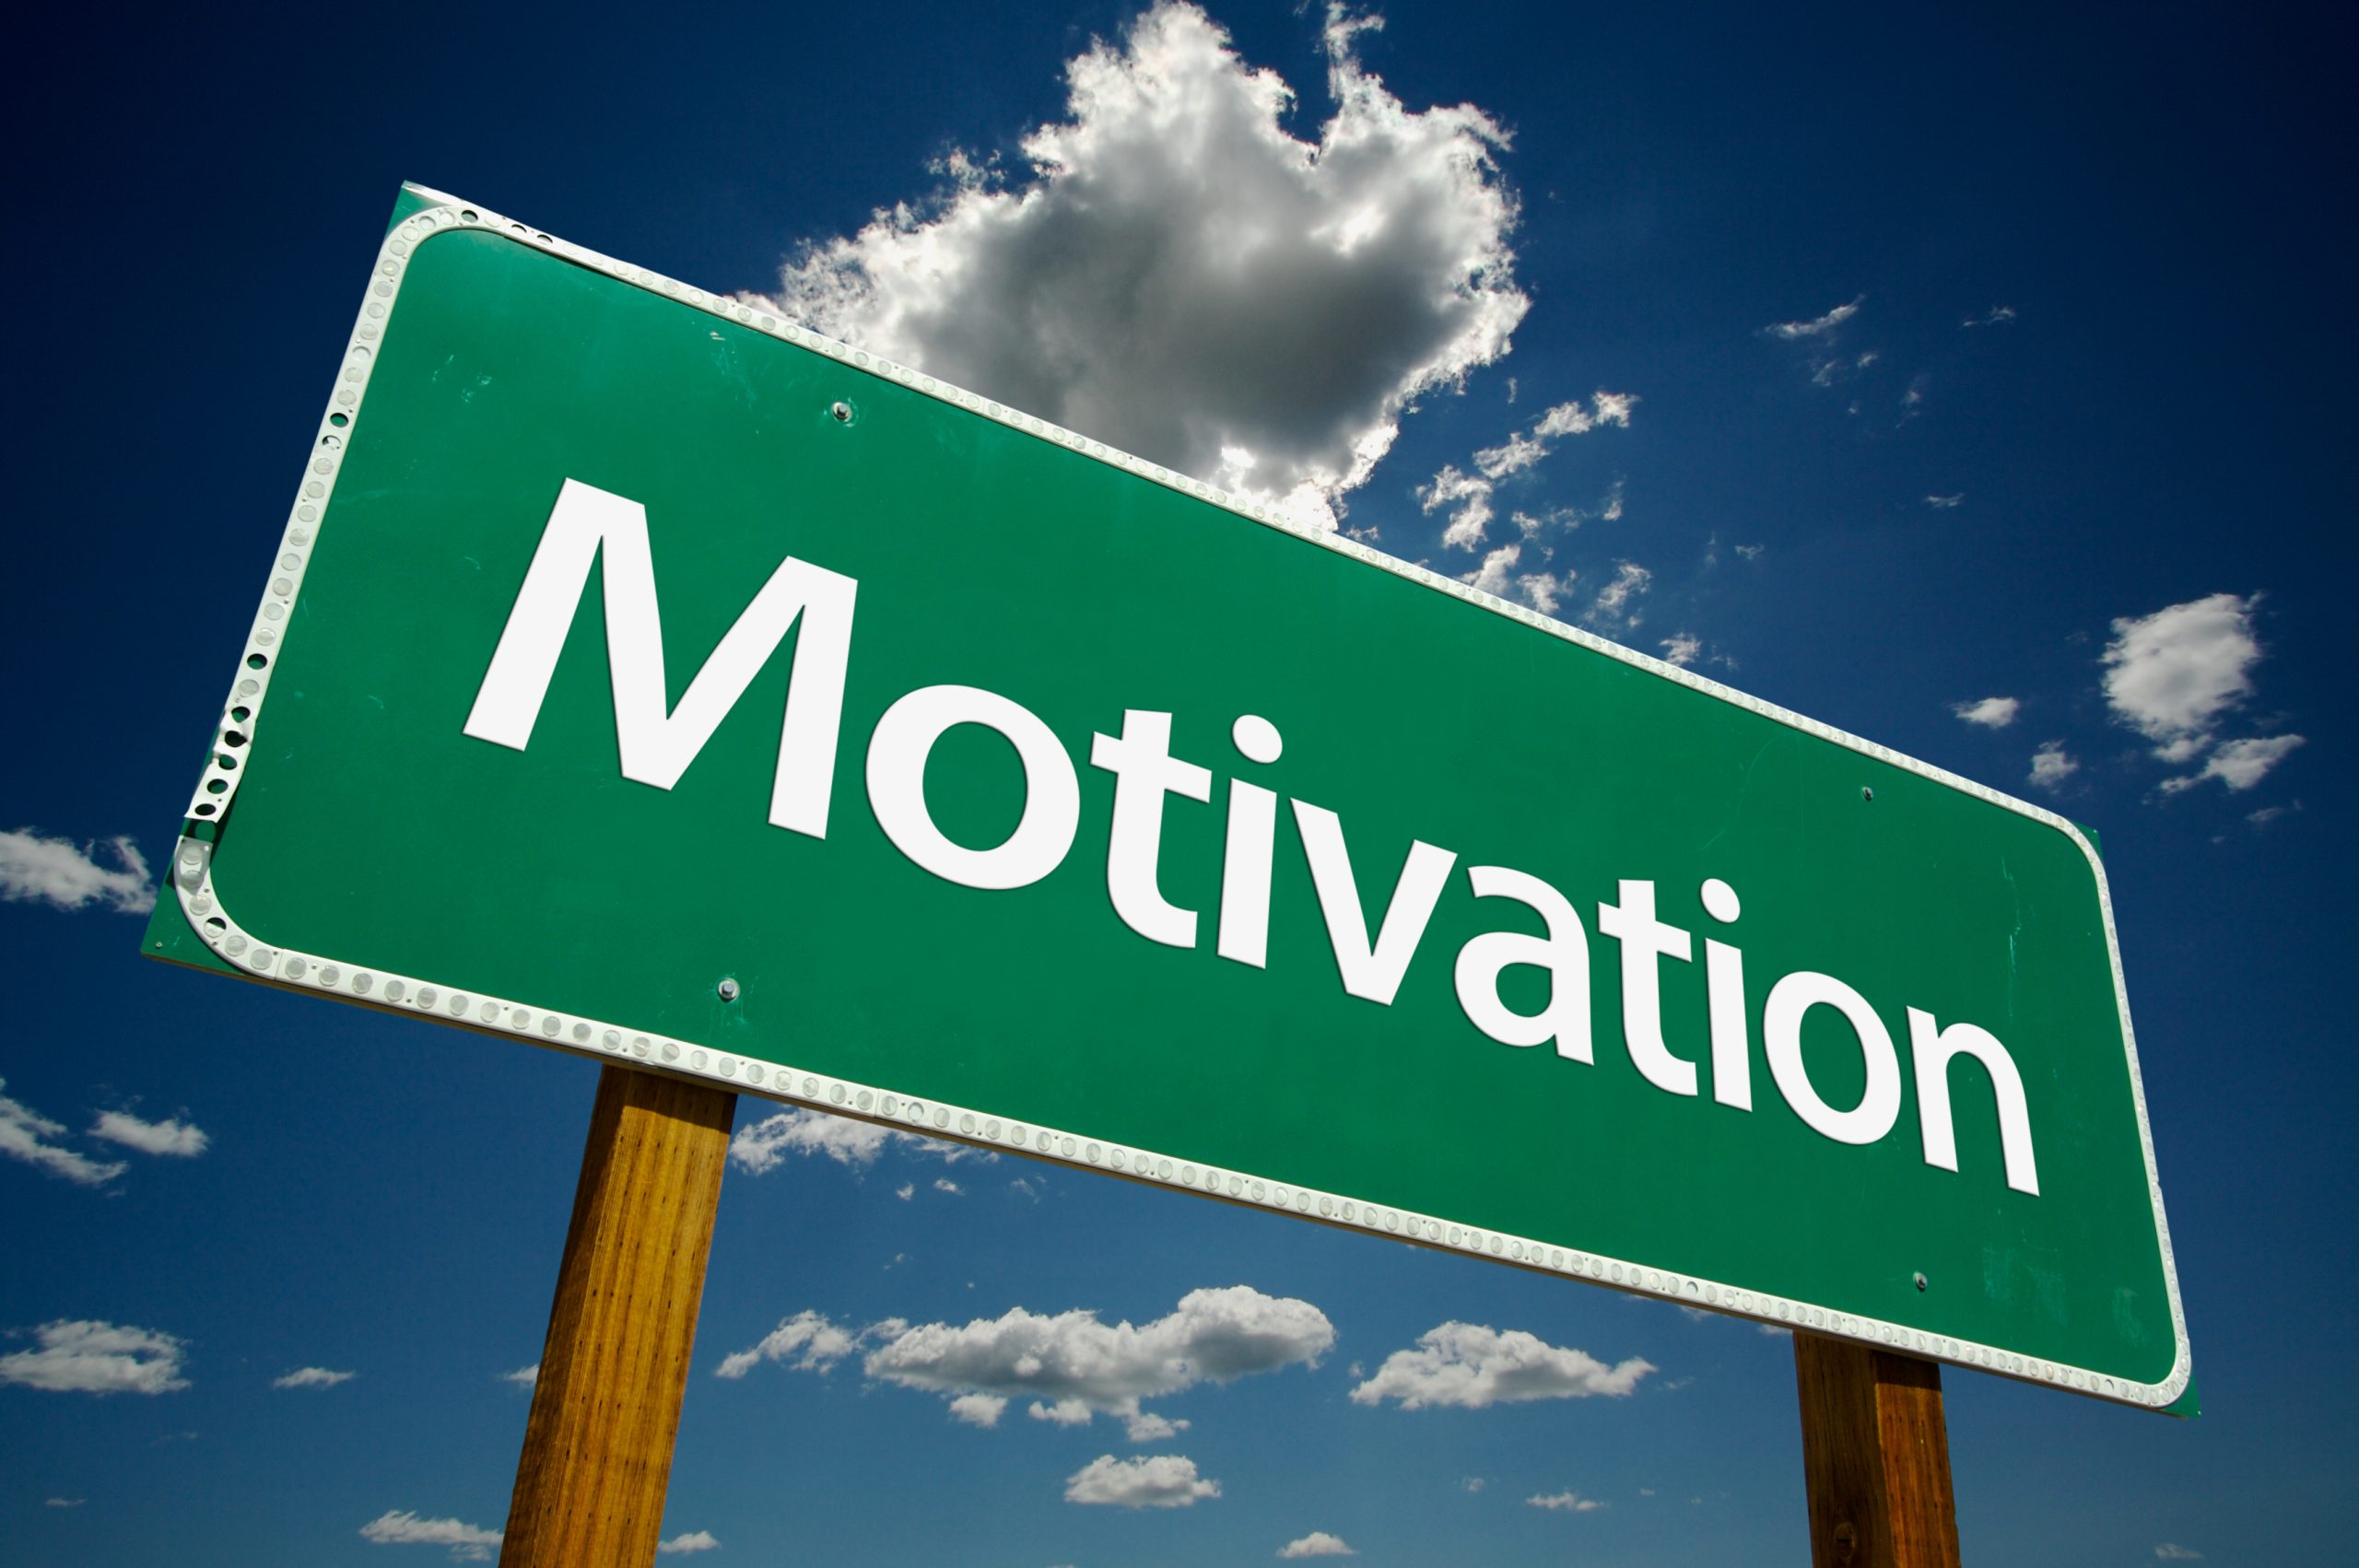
1879	366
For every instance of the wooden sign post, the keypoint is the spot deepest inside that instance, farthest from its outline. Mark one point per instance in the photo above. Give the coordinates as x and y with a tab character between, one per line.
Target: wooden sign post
598	1446
1876	1456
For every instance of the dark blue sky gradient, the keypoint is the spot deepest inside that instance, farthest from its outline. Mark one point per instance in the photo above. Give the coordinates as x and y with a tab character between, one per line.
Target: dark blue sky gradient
2161	192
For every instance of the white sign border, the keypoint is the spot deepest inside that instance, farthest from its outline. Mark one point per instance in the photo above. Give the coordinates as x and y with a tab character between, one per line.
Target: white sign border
249	956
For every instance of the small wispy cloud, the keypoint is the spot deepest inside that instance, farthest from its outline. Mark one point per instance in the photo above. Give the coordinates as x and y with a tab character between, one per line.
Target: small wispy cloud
1564	1502
1522	449
28	1136
1612	609
468	1543
689	1540
35	867
764	1146
1997	316
523	1377
179	1138
2051	765
1470	498
1990	712
2239	764
2171	1551
1946	503
311	1378
809	1341
1816	326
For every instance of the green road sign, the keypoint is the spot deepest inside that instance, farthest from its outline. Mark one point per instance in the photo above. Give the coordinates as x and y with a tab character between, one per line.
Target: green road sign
643	676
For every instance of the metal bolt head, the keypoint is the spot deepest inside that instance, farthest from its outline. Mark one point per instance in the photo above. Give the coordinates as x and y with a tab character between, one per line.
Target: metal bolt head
1922	1280
1866	793
842	413
727	989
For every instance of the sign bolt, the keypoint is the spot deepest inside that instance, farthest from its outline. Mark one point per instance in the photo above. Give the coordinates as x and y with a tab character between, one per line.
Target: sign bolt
1867	793
1922	1280
728	992
843	411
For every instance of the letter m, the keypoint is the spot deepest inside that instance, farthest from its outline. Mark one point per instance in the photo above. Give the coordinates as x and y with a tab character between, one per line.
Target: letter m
656	745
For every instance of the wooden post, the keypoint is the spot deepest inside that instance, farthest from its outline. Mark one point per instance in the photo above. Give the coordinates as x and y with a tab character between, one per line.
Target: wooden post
598	1445
1876	1457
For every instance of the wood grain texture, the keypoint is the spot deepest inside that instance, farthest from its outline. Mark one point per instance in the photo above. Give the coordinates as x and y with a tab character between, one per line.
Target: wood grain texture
598	1446
1876	1456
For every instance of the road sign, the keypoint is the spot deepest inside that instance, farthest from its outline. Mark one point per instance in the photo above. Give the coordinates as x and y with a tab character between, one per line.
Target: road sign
643	676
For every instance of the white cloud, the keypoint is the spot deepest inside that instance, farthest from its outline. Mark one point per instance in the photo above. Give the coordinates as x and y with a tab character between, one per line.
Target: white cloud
468	1543
1818	326
175	1137
2240	765
1544	591
2050	766
1940	503
1495	576
1317	1543
523	1377
311	1378
764	1146
2171	1551
1148	1427
1751	552
812	1342
89	1357
1156	1480
978	1409
64	1501
1611	608
1564	1502
1179	277
1471	1368
1990	712
2174	674
35	867
1681	650
1522	449
2268	815
1472	499
1074	1366
906	1192
689	1540
25	1134
1474	1483
1997	316
944	1184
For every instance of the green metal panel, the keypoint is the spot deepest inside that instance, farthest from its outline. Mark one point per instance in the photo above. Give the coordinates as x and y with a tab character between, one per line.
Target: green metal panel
362	828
